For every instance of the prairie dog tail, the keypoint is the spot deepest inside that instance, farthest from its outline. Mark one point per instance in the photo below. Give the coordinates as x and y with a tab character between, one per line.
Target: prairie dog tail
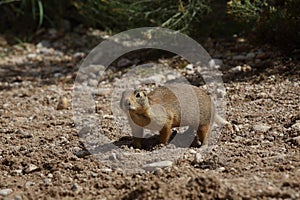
220	121
217	118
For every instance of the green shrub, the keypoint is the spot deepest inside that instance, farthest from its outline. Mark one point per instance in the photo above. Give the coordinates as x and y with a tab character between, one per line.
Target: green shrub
273	21
115	15
120	15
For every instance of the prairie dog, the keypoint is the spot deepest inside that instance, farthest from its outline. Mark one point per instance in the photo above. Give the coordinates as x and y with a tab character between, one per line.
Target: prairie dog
168	106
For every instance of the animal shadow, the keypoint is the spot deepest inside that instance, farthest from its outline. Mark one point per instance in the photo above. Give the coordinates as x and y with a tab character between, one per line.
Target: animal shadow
183	140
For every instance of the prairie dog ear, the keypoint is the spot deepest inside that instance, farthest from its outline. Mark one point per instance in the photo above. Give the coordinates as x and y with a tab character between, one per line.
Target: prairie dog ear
126	94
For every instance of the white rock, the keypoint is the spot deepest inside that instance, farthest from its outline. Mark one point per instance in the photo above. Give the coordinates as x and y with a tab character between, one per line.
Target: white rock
236	69
29	184
109	117
16	172
221	169
155	165
170	77
192	151
78	55
5	105
47	181
5	192
18	197
106	170
261	128
94	174
262	95
31	168
31	55
281	134
189	69
58	74
198	158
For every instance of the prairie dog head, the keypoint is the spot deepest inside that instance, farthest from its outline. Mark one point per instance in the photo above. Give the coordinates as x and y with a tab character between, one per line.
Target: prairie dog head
136	101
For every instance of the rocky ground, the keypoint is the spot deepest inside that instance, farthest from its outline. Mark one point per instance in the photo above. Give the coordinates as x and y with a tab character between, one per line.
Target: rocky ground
43	157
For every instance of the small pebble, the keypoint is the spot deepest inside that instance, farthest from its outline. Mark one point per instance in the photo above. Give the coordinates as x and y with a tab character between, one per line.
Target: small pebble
155	165
62	103
198	158
192	151
109	117
106	170
29	184
47	181
16	172
221	169
31	168
31	55
170	77
189	69
5	105
18	197
94	174
5	192
78	55
261	128
236	69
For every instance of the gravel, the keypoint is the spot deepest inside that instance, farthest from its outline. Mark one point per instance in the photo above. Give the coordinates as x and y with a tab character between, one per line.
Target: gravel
43	156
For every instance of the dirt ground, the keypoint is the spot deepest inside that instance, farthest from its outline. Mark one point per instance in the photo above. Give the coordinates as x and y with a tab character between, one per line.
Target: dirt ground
42	156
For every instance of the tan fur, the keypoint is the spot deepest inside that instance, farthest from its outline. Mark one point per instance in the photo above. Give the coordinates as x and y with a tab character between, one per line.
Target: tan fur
167	107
